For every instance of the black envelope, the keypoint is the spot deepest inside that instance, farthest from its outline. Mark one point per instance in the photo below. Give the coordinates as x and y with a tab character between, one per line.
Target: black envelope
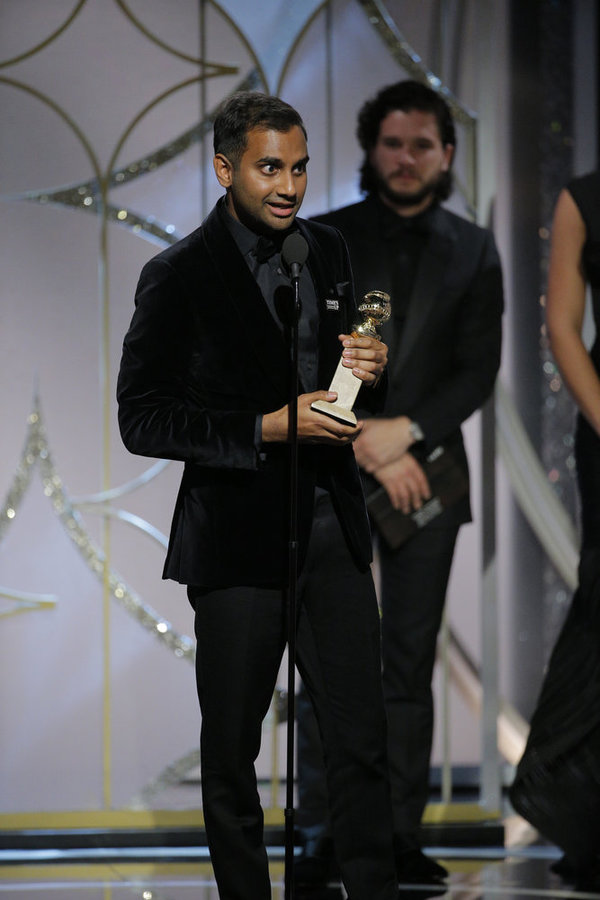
448	483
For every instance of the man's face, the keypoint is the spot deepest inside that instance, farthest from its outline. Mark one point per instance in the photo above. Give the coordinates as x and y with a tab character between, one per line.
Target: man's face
409	159
266	187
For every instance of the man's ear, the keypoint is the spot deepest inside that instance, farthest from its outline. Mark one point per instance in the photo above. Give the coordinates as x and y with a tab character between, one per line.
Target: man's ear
223	170
448	154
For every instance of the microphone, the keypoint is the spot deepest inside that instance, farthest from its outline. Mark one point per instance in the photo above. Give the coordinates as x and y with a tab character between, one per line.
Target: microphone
294	253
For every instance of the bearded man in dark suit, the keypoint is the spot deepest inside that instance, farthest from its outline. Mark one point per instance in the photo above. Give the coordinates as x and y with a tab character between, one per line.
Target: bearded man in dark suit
444	277
205	379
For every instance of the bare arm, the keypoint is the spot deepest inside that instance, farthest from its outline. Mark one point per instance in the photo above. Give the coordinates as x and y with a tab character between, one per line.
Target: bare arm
566	307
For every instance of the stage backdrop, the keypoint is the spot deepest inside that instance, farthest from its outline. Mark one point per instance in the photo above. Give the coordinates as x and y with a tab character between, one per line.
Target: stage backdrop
105	157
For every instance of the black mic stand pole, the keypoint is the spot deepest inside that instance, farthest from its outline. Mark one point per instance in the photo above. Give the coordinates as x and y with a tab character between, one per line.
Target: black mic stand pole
294	252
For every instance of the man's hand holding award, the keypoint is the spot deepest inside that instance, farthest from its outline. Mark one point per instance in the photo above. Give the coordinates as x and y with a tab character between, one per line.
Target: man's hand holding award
375	309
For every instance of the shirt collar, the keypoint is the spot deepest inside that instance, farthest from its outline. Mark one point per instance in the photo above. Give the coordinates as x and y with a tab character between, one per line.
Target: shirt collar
393	224
244	238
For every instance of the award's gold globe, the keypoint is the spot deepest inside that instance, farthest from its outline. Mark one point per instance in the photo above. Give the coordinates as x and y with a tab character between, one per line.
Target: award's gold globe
375	309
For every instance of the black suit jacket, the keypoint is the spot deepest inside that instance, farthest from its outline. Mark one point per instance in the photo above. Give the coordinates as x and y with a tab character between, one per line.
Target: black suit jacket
449	354
202	357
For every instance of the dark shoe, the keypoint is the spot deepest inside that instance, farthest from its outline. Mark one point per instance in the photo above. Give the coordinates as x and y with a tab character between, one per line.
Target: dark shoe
314	892
413	867
565	868
587	879
423	891
316	865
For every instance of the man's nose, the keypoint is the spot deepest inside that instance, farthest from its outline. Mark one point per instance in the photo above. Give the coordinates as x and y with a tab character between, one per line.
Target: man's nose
286	184
406	155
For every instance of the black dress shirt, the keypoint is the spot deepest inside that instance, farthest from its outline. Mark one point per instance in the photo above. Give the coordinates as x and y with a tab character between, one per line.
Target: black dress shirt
268	270
405	238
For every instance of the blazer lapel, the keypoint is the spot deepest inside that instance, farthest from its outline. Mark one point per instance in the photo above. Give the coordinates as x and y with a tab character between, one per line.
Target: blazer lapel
335	305
428	284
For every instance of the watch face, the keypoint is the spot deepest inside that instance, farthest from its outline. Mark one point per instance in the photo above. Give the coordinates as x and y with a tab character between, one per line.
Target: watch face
416	431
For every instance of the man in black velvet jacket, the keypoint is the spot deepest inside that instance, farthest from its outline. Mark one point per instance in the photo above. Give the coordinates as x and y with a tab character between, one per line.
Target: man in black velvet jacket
444	277
204	379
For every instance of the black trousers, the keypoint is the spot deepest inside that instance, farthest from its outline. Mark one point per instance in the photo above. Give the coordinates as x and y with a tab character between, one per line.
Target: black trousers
414	579
241	635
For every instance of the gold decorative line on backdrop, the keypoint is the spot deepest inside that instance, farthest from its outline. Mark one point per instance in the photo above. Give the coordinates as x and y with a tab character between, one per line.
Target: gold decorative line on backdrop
257	70
44	98
399	48
36	451
296	42
23	602
213	68
92	196
106	392
85	195
402	52
51	37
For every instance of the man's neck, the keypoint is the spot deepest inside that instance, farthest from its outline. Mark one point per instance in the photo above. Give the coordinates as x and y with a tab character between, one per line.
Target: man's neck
406	212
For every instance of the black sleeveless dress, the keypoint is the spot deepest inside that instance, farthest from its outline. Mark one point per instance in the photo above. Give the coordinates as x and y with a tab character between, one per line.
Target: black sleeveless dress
557	783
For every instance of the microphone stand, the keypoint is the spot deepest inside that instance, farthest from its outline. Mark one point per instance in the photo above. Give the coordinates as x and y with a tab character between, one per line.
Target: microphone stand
294	253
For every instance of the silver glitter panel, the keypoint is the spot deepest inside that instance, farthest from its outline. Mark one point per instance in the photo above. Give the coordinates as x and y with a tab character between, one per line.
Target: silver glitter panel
36	451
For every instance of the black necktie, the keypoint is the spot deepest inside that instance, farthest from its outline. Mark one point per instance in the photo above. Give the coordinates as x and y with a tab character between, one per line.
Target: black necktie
265	249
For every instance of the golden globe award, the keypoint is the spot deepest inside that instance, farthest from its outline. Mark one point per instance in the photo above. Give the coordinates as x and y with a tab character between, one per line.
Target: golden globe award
375	309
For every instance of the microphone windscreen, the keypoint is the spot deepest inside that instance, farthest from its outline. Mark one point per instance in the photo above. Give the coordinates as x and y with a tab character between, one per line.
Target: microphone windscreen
294	250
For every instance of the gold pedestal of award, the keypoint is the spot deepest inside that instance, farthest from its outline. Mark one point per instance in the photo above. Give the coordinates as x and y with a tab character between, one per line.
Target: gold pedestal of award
375	309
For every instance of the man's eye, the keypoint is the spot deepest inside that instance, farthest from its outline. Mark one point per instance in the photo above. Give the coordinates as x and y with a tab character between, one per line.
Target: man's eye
300	169
269	169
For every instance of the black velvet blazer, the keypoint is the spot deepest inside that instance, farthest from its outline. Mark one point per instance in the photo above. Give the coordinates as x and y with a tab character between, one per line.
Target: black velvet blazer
446	363
202	357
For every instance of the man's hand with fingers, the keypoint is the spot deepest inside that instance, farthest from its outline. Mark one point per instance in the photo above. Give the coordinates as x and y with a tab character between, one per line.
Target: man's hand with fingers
405	482
313	427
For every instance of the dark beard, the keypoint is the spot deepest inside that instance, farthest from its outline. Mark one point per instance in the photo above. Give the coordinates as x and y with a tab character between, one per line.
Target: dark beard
397	199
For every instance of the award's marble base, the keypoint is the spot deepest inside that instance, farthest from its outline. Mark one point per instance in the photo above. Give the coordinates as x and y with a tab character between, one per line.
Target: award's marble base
335	411
346	385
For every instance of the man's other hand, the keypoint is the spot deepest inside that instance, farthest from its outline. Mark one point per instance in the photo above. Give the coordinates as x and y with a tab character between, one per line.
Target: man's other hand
313	427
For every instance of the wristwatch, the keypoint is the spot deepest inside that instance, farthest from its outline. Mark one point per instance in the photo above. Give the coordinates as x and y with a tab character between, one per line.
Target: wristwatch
416	432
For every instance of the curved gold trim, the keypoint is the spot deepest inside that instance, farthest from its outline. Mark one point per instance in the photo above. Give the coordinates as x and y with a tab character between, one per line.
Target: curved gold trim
82	194
218	68
145	110
24	602
384	24
244	41
48	40
296	42
19	85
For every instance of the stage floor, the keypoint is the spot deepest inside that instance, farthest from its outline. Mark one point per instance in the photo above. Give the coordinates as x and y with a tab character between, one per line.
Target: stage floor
490	873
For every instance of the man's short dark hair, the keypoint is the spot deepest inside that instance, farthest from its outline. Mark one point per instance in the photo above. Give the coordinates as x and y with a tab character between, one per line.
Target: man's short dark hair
244	111
407	96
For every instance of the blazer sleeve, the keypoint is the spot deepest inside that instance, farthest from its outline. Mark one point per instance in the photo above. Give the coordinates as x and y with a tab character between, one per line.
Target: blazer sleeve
476	353
166	409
